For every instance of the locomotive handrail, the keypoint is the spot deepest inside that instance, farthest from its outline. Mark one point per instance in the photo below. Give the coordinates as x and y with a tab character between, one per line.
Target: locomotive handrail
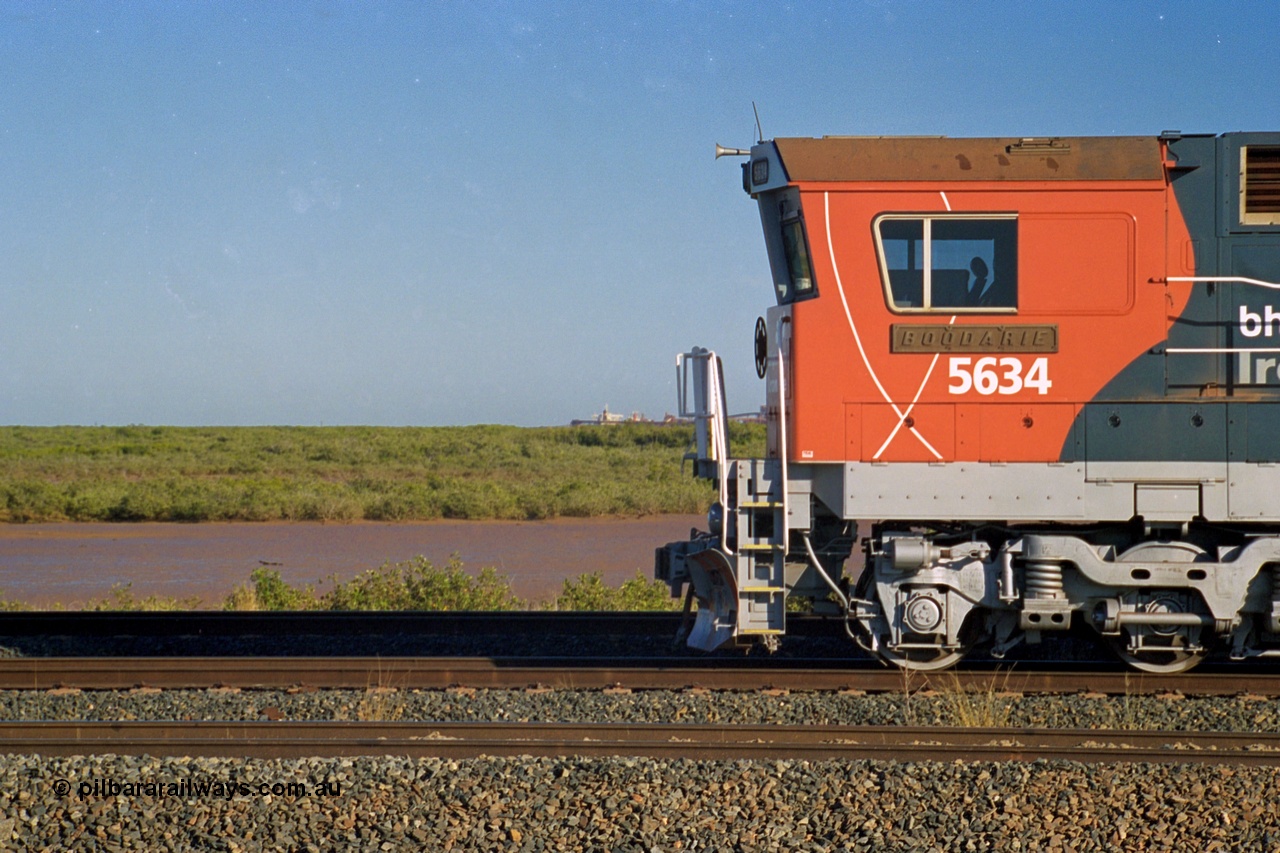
719	430
782	435
708	412
1221	279
1191	350
1224	279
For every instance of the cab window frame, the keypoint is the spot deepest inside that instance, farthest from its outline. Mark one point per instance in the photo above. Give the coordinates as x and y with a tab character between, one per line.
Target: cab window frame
1001	268
791	225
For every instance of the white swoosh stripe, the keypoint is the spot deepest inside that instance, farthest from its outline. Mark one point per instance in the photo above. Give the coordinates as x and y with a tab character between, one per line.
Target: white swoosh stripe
857	339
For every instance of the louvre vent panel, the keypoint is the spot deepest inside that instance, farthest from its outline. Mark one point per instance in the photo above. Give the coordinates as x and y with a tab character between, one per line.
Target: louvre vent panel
1262	179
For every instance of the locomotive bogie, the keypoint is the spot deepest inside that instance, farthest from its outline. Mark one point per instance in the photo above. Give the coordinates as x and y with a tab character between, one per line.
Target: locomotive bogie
1160	602
1049	367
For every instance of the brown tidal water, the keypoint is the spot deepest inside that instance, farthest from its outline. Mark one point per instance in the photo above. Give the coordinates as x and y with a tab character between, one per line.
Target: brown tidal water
72	563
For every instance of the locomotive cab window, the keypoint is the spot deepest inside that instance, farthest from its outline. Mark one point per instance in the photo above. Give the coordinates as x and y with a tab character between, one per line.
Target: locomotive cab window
799	272
949	263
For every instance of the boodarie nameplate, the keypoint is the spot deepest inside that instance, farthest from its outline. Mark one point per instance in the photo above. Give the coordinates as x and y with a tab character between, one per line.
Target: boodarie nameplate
913	337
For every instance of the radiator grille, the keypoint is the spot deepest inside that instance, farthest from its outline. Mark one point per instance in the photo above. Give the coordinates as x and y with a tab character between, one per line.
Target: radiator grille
1260	180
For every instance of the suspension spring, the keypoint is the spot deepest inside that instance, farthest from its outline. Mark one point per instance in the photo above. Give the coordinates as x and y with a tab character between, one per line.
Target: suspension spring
1044	579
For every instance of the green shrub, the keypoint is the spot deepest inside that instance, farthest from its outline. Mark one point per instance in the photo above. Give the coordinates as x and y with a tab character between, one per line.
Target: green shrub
266	590
418	584
8	606
588	592
27	500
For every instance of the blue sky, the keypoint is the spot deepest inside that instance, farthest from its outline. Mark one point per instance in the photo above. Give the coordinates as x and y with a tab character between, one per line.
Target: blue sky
488	212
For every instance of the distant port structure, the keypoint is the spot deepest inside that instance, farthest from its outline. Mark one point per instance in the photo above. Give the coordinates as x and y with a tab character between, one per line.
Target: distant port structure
605	418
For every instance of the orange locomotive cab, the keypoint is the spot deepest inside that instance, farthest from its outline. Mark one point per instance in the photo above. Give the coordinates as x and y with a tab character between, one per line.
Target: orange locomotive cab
969	299
1049	369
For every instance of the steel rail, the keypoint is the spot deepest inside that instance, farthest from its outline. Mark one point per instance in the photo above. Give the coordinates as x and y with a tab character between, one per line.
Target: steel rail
669	741
359	673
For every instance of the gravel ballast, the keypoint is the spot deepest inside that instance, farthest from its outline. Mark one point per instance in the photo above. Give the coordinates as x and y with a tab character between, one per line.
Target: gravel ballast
530	804
1198	713
114	803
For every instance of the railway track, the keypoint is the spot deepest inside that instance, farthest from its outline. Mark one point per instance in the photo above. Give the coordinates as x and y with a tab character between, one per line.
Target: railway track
292	739
584	674
668	741
218	623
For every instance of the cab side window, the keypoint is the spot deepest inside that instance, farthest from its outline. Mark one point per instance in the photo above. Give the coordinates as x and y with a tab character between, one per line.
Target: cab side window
949	263
796	249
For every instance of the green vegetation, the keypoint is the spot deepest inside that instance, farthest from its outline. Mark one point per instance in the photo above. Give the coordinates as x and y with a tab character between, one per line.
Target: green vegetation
8	605
121	597
266	590
415	584
589	592
138	473
418	584
989	708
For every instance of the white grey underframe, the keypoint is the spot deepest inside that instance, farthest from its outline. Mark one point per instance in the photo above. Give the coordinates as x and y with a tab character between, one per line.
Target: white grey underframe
1037	491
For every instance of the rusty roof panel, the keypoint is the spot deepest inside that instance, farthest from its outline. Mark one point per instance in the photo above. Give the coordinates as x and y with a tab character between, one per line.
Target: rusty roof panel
902	158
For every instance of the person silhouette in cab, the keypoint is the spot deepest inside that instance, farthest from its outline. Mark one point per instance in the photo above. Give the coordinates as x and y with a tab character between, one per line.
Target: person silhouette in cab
980	288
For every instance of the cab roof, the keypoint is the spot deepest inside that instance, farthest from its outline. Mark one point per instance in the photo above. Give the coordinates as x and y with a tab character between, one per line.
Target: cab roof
913	158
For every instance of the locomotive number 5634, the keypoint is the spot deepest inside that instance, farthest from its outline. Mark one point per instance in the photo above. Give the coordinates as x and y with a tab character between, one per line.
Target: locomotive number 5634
991	375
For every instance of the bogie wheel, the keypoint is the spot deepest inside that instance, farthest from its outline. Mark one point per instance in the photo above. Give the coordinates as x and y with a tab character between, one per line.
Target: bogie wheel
929	659
1181	653
1162	649
922	660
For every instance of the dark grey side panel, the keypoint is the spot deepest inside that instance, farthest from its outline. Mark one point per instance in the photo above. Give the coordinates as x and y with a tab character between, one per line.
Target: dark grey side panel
1169	432
1259	427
